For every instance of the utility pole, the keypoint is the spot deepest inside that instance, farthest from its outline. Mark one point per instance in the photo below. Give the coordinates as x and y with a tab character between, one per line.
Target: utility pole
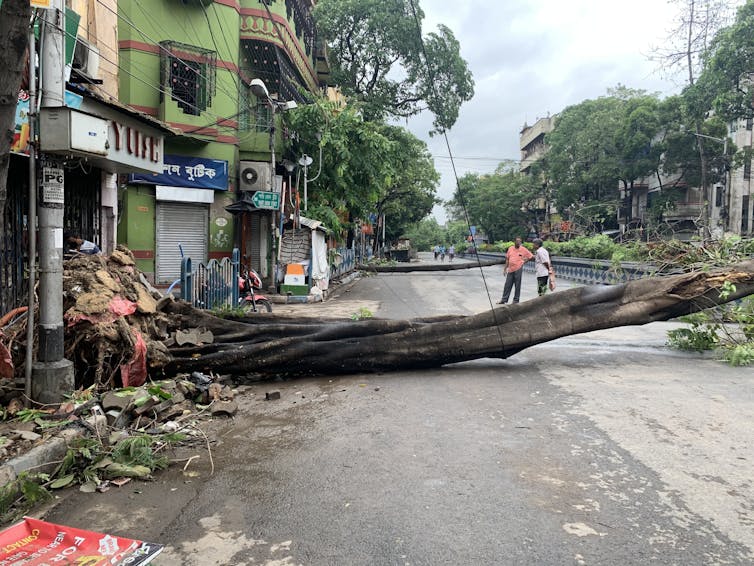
53	375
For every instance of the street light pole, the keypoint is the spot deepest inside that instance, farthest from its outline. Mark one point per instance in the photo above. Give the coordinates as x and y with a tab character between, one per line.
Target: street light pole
259	90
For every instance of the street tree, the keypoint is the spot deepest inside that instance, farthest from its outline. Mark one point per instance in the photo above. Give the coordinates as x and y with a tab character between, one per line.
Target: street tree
725	83
14	27
494	202
425	234
685	52
410	194
601	144
355	164
367	167
379	58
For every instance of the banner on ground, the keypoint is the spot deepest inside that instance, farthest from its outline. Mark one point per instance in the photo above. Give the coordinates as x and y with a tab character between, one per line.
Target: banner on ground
38	543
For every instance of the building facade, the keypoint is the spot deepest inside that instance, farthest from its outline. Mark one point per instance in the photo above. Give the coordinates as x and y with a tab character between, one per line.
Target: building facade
191	65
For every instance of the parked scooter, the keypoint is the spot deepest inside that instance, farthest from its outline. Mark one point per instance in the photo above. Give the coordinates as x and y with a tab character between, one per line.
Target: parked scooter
248	298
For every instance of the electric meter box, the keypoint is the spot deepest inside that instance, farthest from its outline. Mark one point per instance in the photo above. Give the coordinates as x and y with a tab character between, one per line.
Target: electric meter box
68	131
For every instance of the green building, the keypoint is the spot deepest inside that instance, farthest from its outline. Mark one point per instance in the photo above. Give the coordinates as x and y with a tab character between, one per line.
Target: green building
191	64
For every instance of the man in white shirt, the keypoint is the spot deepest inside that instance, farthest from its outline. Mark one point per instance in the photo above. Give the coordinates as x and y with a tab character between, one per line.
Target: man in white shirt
543	268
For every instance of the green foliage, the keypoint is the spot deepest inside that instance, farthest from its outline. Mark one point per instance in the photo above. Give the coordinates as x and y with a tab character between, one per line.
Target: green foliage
20	495
377	59
493	202
725	83
367	167
425	234
227	311
591	247
600	143
739	354
729	329
361	314
701	336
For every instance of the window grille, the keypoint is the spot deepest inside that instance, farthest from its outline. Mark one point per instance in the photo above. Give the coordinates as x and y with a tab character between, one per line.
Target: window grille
188	74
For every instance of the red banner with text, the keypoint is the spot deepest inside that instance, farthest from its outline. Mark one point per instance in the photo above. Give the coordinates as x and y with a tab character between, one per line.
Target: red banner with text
37	543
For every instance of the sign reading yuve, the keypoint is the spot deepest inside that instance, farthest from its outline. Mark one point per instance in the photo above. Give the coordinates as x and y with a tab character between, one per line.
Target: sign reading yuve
266	199
192	172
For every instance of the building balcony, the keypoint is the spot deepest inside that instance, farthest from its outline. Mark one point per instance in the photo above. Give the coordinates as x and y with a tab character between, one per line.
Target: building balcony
685	211
538	129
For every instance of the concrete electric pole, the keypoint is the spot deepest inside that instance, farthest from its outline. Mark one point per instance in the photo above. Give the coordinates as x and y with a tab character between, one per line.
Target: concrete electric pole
52	375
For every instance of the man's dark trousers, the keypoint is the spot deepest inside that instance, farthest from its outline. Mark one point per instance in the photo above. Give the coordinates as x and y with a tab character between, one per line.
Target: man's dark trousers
513	278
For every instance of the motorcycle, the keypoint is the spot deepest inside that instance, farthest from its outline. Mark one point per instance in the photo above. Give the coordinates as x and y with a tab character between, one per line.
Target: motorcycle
248	298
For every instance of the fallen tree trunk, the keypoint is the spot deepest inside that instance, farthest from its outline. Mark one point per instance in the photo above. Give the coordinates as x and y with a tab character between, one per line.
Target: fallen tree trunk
408	268
270	345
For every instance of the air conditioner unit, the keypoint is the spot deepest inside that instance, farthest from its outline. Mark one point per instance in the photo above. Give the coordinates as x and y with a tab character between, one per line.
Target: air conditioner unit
254	176
86	58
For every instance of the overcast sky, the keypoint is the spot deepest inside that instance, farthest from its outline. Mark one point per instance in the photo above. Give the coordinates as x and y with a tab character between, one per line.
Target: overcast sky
529	59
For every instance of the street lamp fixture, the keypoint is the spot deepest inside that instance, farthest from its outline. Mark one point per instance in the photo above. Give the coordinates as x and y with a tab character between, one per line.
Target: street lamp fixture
259	90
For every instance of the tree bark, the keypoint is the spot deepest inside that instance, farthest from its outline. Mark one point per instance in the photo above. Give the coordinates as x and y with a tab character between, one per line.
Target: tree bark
269	345
14	25
409	267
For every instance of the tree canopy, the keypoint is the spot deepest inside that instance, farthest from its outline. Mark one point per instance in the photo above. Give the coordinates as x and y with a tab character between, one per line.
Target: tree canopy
367	167
725	83
380	59
493	202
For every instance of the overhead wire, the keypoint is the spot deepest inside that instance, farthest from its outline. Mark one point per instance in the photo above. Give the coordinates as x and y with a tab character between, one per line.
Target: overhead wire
142	80
459	190
167	51
158	87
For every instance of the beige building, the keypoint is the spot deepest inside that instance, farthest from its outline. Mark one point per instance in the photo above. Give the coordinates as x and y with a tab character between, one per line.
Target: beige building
532	142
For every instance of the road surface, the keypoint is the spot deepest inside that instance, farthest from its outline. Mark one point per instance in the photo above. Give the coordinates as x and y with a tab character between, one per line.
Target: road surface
605	448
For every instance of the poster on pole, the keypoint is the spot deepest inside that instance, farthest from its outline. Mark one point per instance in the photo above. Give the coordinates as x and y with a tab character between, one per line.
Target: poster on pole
36	543
53	187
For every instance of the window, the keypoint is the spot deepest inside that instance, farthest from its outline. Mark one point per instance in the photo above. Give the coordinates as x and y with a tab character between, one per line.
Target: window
745	215
747	168
188	76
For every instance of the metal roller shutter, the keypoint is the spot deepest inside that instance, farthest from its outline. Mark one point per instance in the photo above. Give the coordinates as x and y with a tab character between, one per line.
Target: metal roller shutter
180	223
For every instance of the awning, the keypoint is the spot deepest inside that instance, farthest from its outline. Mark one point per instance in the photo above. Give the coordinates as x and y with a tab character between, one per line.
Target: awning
242	205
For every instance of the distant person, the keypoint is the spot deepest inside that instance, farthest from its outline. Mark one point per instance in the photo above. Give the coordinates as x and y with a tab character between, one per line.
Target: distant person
451	252
515	258
543	268
436	249
77	244
442	253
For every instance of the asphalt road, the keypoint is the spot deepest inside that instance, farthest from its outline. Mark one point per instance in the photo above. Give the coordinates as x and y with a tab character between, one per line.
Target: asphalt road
602	448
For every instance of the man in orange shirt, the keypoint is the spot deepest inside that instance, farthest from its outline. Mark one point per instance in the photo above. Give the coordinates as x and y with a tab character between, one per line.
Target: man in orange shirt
515	258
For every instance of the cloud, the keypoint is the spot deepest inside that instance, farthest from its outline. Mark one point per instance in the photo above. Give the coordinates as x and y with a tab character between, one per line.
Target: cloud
530	59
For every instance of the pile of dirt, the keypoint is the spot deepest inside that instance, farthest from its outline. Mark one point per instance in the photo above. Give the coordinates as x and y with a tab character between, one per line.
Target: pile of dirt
114	326
115	330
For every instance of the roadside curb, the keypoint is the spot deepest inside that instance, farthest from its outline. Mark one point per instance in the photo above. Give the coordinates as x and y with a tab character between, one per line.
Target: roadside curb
47	455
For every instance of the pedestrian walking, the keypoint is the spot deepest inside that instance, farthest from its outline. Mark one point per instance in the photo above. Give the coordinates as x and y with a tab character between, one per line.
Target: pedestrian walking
451	252
442	253
515	258
543	268
436	250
